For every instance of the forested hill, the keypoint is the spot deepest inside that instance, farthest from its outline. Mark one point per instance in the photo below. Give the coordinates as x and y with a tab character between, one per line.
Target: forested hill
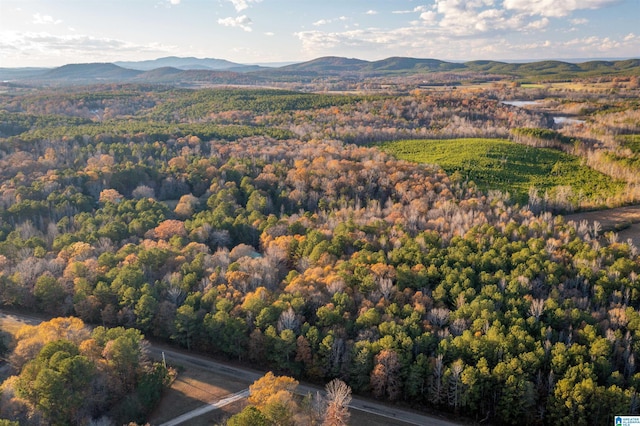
213	71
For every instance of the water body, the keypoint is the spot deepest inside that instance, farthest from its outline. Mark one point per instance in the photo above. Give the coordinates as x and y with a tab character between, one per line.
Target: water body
566	120
557	119
520	103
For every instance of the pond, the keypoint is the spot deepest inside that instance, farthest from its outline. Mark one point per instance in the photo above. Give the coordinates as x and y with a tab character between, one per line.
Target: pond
566	120
520	103
557	119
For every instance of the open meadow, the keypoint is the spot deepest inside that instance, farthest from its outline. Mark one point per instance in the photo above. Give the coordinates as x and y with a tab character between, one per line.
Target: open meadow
509	167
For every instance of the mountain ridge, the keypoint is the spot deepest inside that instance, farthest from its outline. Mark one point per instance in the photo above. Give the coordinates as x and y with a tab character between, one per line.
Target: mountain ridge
183	63
328	66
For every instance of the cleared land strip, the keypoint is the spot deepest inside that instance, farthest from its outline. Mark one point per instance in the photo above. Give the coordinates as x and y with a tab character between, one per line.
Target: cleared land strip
624	220
207	408
357	403
249	376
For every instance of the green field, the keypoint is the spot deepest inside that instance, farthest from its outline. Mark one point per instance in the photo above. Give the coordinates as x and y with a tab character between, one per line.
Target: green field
508	166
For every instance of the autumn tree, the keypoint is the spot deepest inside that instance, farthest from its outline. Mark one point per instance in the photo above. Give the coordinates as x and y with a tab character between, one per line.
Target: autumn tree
110	196
273	396
385	377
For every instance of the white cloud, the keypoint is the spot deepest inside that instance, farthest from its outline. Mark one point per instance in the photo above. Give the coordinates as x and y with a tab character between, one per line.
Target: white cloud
430	17
603	46
174	2
466	29
538	25
269	33
579	21
57	49
321	22
240	5
416	9
469	19
419	40
45	19
371	12
555	8
242	21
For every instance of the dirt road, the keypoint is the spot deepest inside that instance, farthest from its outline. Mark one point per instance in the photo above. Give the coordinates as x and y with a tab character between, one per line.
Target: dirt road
357	403
207	408
173	356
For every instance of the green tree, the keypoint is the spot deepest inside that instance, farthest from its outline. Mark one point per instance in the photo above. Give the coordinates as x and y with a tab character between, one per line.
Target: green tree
50	295
249	416
57	381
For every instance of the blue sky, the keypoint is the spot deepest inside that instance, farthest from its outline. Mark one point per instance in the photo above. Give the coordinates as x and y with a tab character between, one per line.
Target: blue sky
56	32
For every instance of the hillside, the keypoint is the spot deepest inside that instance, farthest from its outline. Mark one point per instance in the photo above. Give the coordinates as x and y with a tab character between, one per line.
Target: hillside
94	71
327	64
413	64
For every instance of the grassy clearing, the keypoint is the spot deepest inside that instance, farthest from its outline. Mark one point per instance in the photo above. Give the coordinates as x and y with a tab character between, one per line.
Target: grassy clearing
508	166
580	86
632	142
193	388
196	387
10	326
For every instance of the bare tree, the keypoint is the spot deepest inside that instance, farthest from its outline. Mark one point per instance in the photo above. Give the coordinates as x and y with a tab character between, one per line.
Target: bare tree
143	191
338	399
536	308
385	285
288	320
435	382
455	384
439	316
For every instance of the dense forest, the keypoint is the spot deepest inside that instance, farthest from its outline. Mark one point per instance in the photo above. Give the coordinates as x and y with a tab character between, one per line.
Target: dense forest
260	226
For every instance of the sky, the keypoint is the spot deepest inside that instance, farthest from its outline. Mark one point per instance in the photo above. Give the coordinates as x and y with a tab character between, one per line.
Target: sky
48	33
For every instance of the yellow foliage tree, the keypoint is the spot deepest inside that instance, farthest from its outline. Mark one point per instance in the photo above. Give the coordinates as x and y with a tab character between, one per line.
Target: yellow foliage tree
270	389
31	339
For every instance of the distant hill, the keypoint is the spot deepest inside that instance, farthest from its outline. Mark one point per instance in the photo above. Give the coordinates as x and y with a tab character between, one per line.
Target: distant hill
409	64
159	73
556	69
94	71
194	71
8	74
181	63
247	68
327	63
541	70
173	76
